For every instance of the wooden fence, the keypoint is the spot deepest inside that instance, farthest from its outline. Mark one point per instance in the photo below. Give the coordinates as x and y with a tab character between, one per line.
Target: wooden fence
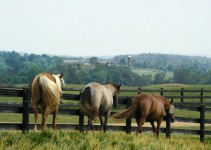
201	104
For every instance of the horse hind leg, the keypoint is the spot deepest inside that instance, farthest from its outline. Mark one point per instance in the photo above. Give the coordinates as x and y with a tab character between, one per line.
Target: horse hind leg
55	112
140	122
101	121
35	101
158	127
153	127
106	121
35	116
90	124
45	113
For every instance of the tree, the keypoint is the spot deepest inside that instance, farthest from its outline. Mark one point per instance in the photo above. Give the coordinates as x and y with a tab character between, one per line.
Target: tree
122	61
93	60
206	78
159	78
182	75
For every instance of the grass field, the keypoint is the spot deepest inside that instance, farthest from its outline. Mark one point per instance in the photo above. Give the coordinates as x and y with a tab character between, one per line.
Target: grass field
69	139
152	72
74	140
5	117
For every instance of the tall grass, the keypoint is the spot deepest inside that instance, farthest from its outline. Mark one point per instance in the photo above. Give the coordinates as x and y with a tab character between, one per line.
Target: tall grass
67	139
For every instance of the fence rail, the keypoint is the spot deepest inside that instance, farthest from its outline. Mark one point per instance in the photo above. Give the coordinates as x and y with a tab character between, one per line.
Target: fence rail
25	109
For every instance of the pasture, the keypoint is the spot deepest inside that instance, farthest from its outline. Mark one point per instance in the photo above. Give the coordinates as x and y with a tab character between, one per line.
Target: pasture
13	117
153	72
120	140
68	139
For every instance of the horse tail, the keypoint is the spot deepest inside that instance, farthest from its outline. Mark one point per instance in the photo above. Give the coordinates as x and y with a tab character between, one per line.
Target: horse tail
49	91
36	92
126	113
85	103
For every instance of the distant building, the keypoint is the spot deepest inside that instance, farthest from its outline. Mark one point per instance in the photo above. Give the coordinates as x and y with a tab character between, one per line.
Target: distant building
129	61
86	64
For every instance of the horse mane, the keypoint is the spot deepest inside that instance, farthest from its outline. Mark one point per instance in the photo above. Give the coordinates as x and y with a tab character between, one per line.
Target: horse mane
166	103
58	81
109	83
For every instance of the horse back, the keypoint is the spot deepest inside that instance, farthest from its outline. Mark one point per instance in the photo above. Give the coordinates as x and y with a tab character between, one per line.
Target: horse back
145	103
150	106
96	92
100	96
45	91
36	85
49	76
157	107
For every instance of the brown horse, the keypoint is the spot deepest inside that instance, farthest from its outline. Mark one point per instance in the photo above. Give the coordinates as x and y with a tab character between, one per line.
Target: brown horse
148	108
97	99
46	92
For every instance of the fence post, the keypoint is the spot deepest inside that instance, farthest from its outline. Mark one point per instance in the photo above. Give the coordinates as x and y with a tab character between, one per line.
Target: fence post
81	119
139	91
182	94
161	91
202	116
168	126
128	120
202	94
81	122
25	112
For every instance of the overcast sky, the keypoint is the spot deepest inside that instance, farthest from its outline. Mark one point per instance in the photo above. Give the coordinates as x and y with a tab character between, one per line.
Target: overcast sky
106	27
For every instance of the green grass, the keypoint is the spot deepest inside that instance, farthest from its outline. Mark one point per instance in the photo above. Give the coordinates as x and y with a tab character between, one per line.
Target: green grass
10	117
152	72
67	139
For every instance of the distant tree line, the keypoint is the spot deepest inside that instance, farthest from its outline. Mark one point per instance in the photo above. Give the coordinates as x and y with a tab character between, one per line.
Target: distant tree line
186	69
16	68
165	62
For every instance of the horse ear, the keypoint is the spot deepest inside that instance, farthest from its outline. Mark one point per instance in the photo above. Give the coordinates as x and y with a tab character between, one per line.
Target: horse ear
61	75
172	101
118	86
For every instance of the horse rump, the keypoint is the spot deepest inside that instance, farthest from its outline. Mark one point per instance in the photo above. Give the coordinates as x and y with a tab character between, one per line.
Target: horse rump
86	104
49	92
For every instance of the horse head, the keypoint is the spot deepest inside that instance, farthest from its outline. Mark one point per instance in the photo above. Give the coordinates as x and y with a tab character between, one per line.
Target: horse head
115	97
171	111
62	80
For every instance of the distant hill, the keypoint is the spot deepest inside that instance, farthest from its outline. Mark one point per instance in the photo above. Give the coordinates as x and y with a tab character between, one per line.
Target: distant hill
166	62
145	69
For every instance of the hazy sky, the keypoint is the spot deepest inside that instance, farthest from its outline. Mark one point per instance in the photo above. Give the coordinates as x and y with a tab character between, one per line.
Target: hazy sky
106	27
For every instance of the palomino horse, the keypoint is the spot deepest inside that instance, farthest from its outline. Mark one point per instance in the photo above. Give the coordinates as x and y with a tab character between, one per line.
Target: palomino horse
46	92
97	99
148	108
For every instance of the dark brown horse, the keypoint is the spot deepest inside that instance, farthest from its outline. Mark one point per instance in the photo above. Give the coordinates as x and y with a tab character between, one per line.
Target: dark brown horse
148	108
46	92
